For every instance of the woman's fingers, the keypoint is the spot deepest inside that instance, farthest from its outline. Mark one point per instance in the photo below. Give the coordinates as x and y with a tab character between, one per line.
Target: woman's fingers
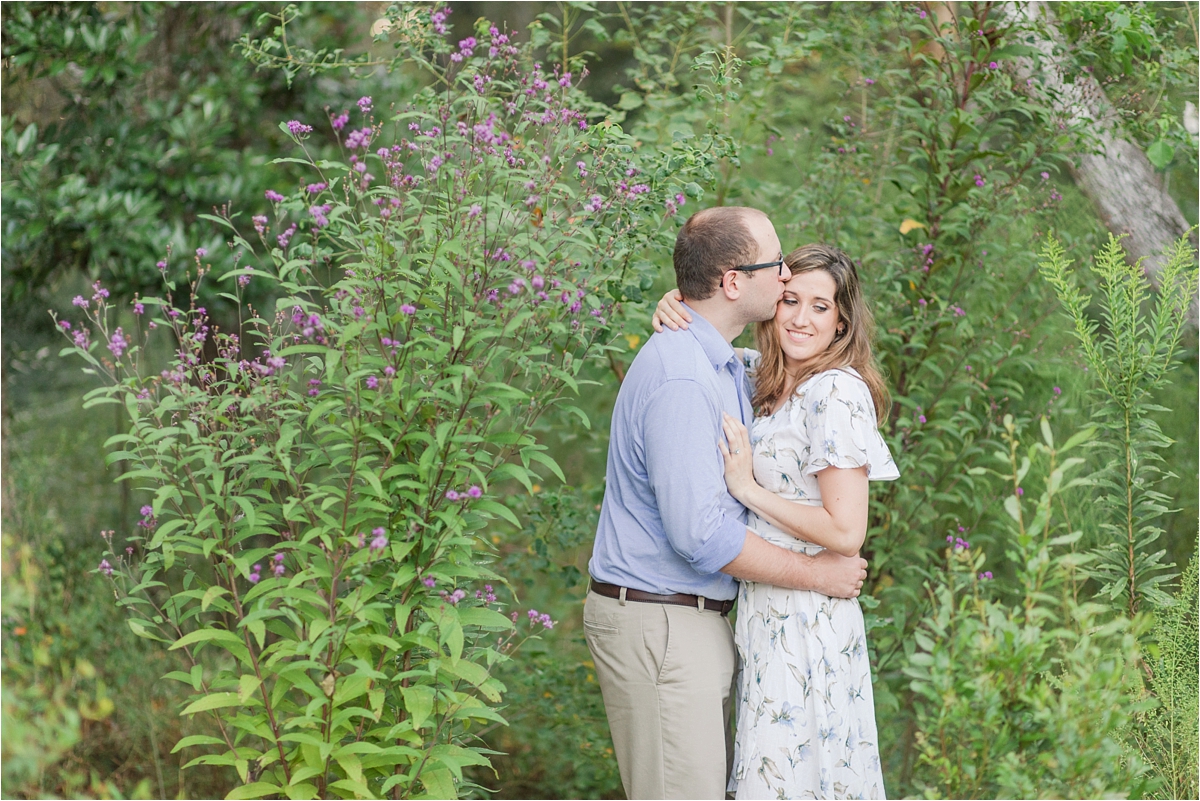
735	432
670	312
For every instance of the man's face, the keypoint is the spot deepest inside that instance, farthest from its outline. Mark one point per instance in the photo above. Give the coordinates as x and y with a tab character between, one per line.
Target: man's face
762	289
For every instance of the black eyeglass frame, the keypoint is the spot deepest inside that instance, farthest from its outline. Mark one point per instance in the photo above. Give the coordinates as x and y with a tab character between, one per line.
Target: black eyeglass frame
749	268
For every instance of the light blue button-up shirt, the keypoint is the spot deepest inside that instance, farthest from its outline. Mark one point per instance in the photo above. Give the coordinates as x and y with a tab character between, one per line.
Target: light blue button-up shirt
668	524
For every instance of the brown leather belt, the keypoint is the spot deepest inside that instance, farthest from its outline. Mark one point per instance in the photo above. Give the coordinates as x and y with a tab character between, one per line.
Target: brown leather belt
678	599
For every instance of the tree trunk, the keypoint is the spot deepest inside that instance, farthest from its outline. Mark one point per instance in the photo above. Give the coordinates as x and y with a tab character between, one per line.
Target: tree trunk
1117	177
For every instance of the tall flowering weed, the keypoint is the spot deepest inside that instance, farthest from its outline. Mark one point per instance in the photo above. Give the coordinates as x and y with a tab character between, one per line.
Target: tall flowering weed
320	479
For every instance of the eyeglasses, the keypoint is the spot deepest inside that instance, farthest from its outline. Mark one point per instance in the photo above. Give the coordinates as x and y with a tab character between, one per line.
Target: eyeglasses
749	268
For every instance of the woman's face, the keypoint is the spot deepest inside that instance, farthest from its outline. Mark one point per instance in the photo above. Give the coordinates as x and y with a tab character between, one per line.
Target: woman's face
806	319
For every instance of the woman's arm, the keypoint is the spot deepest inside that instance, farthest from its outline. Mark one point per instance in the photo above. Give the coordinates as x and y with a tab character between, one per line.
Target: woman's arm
840	524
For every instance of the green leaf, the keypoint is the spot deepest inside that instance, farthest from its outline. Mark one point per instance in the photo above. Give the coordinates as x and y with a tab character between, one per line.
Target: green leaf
142	630
419	703
484	618
438	783
197	739
1160	154
212	701
1013	507
248	684
255	790
210	595
498	509
207	635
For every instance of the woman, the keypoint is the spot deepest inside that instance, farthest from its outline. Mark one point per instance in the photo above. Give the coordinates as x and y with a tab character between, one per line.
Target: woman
806	718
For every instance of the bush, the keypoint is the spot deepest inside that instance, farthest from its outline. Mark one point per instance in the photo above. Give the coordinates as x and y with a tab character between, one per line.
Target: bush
317	482
1025	698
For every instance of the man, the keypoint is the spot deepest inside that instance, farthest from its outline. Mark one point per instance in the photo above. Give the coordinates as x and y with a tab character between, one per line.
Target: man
671	540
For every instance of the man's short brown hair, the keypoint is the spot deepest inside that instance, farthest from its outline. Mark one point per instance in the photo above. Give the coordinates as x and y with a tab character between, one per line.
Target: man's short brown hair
711	242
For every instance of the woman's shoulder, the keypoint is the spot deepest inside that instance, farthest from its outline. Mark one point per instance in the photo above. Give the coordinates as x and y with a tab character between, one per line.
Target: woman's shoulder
838	379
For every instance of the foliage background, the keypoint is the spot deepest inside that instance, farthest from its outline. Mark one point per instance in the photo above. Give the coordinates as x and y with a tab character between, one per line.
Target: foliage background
147	116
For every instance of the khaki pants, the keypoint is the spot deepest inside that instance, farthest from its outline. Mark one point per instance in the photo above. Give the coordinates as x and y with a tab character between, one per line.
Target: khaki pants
666	673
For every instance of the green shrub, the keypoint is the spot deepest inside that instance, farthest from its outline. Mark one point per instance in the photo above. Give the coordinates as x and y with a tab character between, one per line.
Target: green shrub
1129	360
317	493
1025	698
1166	735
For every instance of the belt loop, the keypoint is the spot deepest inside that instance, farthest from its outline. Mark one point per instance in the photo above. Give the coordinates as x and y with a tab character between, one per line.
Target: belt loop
700	602
621	597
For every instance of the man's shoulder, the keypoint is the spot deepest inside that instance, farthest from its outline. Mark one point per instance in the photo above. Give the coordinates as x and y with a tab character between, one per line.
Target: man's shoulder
672	355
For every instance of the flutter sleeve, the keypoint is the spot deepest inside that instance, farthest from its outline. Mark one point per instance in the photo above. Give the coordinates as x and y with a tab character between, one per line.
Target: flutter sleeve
842	427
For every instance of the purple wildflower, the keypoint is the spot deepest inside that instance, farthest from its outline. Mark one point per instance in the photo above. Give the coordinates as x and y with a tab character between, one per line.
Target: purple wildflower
380	541
117	343
979	180
987	574
105	567
339	122
408	308
255	574
474	491
372	382
429	581
316	188
318	214
273	196
364	104
452	495
80	301
438	18
297	128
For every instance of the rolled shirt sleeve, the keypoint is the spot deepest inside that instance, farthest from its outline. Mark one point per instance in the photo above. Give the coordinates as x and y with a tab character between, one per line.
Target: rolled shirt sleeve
702	521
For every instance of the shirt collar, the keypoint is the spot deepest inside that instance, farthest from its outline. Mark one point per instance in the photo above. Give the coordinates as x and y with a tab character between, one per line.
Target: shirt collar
718	351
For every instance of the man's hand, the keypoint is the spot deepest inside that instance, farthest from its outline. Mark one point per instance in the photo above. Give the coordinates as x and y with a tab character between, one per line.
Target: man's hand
838	576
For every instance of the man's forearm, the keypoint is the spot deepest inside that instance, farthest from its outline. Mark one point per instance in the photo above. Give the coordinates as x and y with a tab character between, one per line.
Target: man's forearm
827	573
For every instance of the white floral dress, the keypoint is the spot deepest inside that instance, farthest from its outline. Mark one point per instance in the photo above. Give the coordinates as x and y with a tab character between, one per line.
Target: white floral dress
806	713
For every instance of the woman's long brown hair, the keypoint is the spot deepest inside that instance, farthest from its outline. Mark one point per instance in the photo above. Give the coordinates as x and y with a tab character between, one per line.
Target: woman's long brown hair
851	348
